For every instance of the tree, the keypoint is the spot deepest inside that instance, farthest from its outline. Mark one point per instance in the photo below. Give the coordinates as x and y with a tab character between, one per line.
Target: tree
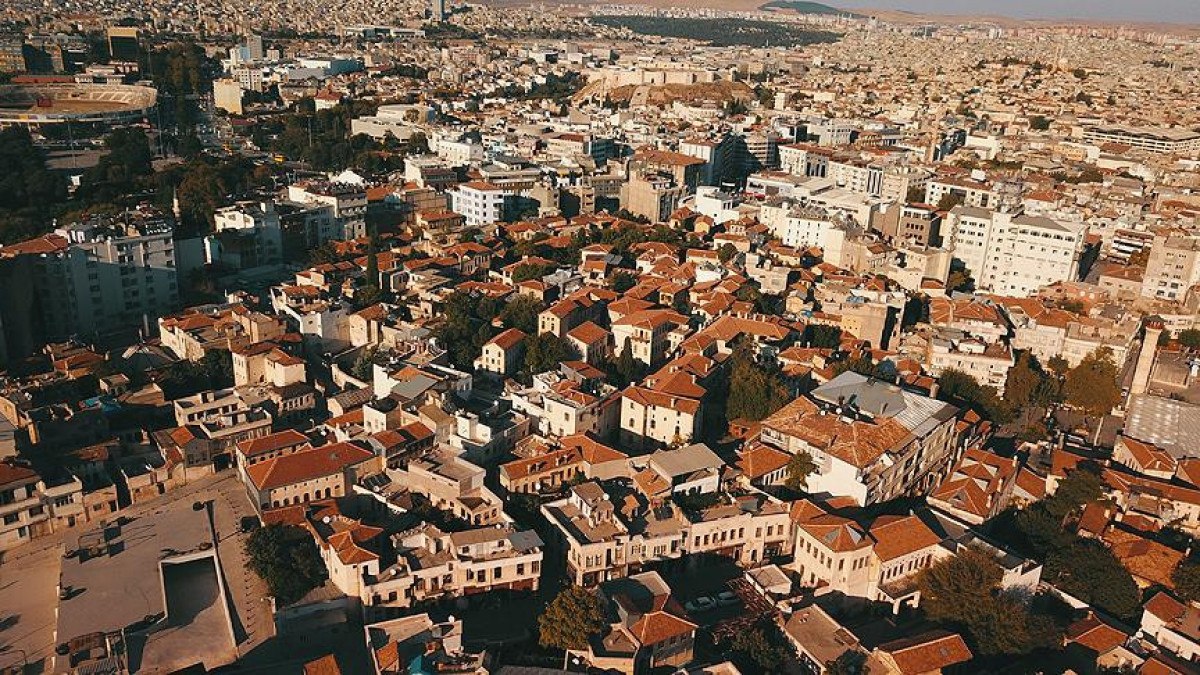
522	313
1027	384
1089	571
965	591
1080	487
851	662
949	201
1039	123
1190	338
799	468
544	352
822	336
622	281
1058	365
962	389
953	589
571	619
218	367
1092	385
759	649
1186	577
754	391
528	271
726	253
325	253
286	558
363	367
627	369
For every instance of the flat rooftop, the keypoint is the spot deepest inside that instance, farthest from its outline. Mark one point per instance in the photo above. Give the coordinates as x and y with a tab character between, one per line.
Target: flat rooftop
115	582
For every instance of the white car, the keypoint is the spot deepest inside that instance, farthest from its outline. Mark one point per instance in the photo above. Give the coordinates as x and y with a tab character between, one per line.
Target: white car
700	604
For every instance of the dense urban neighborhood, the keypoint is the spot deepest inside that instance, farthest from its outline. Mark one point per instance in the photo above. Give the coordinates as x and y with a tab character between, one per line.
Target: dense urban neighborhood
438	337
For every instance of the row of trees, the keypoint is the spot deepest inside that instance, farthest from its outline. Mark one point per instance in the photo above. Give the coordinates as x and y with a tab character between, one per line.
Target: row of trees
1091	386
28	190
1083	567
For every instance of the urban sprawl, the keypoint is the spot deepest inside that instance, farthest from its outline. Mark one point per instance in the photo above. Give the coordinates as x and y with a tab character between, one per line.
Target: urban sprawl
404	337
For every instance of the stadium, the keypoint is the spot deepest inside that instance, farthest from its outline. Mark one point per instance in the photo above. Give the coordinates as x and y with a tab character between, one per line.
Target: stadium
37	105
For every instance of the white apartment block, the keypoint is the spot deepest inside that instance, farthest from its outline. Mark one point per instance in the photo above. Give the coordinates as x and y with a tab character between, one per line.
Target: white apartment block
1015	255
479	202
1160	139
114	275
1172	268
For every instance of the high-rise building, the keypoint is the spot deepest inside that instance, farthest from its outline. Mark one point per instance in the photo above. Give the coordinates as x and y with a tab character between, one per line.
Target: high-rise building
12	54
86	279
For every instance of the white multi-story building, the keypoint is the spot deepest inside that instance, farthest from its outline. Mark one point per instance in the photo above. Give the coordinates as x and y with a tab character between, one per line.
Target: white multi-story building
248	234
347	202
1172	268
115	274
1015	255
479	202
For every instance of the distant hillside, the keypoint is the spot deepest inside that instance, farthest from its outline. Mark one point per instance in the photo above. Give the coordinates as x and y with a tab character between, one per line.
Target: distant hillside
803	7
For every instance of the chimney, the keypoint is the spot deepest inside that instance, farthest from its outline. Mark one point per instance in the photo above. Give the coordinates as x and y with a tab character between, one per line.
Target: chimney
1145	360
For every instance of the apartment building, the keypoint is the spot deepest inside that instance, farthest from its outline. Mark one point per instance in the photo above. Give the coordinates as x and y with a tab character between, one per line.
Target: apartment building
1015	255
988	363
247	235
647	627
549	468
1173	266
559	407
616	527
340	209
968	192
451	484
23	515
416	565
502	354
1167	140
872	441
479	202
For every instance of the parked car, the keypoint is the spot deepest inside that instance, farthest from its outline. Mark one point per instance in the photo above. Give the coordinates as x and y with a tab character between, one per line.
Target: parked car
700	604
727	598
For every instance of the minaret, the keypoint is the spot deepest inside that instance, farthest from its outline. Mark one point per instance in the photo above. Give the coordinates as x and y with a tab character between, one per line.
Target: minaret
1145	361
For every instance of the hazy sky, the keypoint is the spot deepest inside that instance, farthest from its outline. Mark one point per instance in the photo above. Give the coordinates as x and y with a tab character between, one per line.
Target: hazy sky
1166	11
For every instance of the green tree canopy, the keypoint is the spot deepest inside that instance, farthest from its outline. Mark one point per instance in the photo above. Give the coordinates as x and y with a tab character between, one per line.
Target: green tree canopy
799	468
754	390
1190	338
571	619
622	281
1186	577
965	591
287	559
522	313
964	390
545	351
1092	385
